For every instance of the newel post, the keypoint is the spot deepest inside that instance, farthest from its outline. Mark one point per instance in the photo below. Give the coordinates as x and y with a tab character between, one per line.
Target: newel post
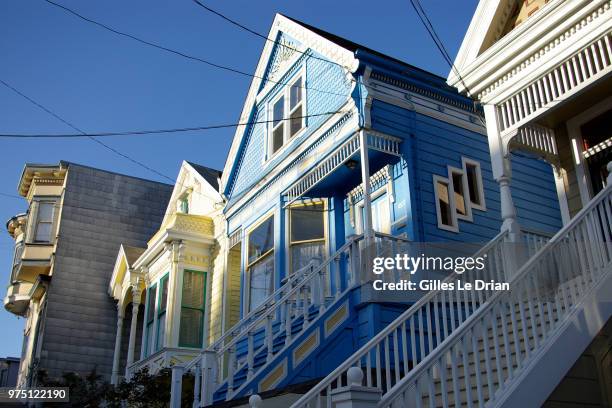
176	386
210	371
355	395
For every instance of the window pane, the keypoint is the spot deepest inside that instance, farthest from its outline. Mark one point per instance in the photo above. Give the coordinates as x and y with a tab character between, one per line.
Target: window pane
296	94
150	340
296	121
473	184
261	239
164	295
151	305
459	194
43	232
303	254
190	333
278	137
45	211
161	331
444	203
307	223
193	289
260	281
278	111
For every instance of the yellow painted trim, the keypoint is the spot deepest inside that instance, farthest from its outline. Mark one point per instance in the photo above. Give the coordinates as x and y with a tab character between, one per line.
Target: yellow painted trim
336	319
304	349
274	377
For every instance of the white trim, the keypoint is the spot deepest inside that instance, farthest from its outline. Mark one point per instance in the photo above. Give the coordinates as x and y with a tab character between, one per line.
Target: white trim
285	93
425	106
247	278
308	39
453	214
559	174
382	190
465	161
466	192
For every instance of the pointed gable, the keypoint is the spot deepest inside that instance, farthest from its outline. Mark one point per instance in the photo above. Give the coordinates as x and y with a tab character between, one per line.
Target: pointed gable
272	68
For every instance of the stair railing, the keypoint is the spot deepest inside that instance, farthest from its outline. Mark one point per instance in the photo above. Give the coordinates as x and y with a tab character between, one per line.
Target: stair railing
509	330
389	355
315	285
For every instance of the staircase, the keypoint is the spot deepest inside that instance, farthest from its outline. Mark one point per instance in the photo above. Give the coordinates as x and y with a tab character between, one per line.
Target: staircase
495	348
232	366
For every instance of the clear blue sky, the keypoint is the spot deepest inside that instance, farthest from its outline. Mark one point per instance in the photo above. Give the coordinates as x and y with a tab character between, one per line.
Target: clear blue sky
102	82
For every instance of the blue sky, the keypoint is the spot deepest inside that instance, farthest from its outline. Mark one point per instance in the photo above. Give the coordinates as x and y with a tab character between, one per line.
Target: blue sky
102	82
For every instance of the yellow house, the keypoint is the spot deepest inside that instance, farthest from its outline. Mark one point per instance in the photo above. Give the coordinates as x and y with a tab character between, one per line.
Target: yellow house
169	294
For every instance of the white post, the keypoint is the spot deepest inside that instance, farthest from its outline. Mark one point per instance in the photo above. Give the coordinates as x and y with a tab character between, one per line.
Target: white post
176	386
501	172
209	377
255	401
355	395
368	232
133	329
117	352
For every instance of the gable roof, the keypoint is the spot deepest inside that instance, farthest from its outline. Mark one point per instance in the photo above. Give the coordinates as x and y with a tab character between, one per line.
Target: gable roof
211	175
132	254
340	50
316	41
355	47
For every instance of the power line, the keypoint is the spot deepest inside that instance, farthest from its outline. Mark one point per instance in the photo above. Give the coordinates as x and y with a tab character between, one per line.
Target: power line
83	134
416	5
180	53
157	131
250	30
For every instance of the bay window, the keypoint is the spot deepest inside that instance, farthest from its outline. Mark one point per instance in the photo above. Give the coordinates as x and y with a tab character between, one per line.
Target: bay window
161	312
43	213
260	262
191	333
150	321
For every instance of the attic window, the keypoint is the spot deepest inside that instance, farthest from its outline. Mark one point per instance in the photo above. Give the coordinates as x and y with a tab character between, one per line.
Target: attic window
287	113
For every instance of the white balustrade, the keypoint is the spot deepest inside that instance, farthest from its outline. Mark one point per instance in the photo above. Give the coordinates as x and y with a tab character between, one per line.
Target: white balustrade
479	358
408	341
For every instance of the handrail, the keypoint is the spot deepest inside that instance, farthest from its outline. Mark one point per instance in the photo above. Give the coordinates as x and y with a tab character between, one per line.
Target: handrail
336	375
292	291
273	298
518	282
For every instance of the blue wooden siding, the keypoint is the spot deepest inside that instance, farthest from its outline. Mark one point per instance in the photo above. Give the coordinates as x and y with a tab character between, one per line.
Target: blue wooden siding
431	145
320	75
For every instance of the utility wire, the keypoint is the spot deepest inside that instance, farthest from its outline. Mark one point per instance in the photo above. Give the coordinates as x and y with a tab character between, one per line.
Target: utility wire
156	131
180	53
83	134
416	5
250	30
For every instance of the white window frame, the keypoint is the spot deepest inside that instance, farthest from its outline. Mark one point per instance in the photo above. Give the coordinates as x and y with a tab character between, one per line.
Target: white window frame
453	213
34	219
287	111
466	193
373	196
289	243
465	161
248	264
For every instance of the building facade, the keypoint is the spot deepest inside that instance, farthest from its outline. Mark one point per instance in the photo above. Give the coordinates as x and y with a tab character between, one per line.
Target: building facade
9	370
356	153
65	247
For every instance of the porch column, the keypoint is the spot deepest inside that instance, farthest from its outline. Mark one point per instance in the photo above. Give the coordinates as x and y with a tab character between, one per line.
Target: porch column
501	167
175	285
117	353
368	232
133	325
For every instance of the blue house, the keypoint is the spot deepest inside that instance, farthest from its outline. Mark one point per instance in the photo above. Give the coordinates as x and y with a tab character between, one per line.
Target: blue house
347	149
